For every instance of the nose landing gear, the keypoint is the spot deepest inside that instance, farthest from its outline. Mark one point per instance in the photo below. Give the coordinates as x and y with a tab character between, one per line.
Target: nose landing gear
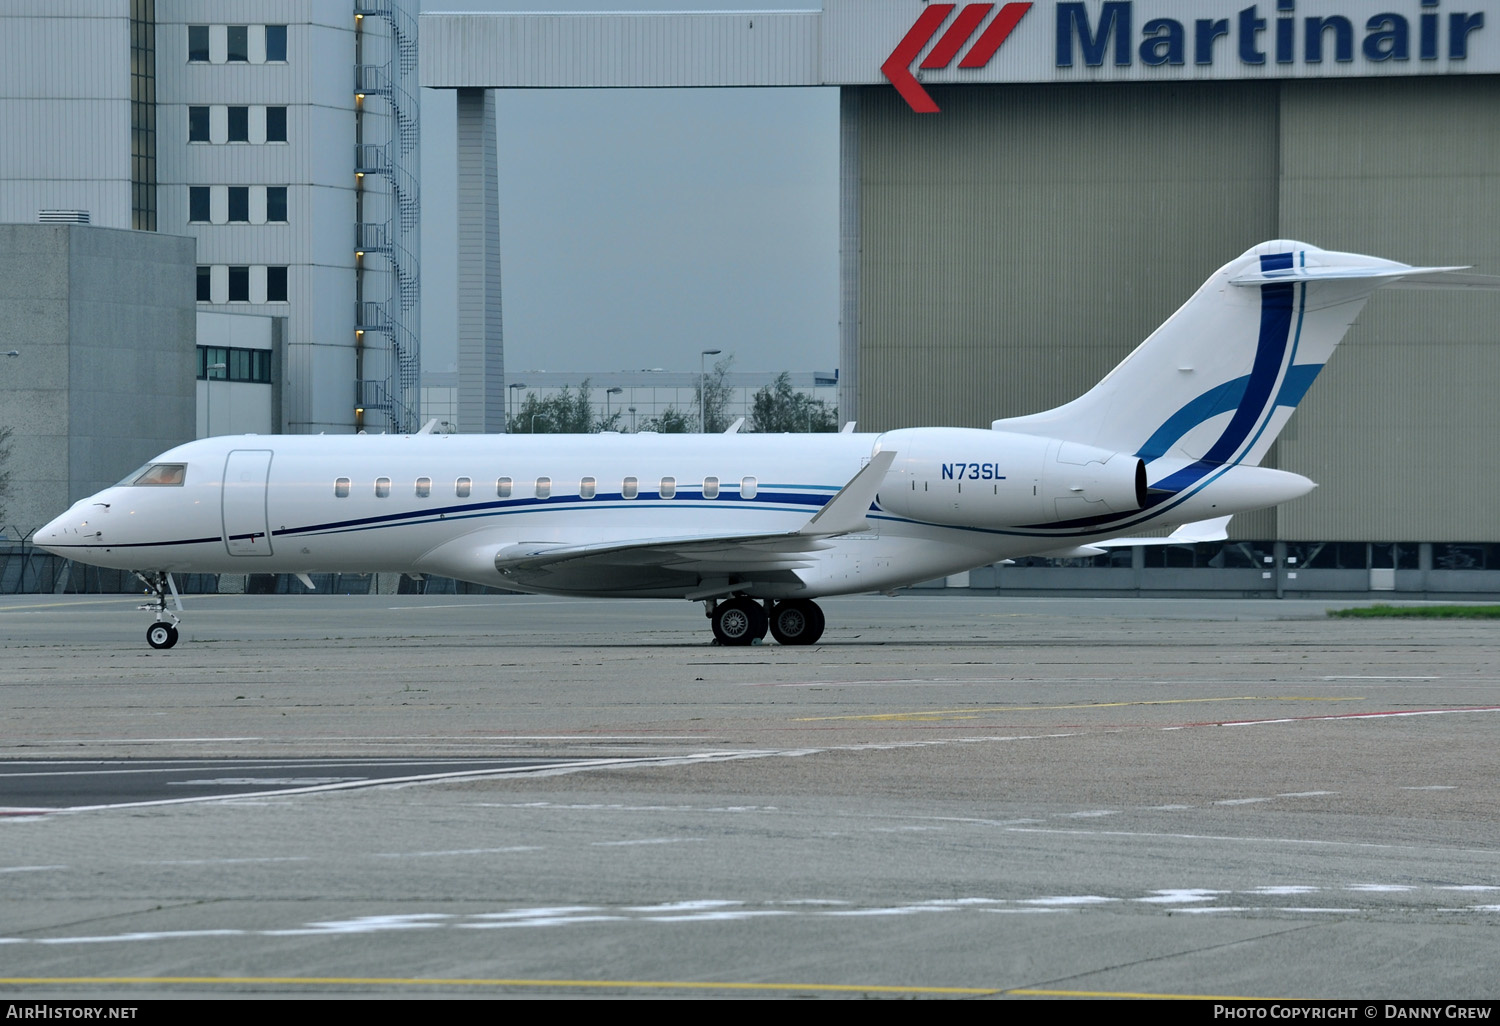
163	633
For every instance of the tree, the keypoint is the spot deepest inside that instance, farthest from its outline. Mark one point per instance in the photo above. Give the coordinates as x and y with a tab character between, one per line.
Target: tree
566	412
778	407
714	395
671	421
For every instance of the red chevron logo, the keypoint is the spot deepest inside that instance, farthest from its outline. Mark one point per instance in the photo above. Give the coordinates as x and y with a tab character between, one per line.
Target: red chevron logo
898	66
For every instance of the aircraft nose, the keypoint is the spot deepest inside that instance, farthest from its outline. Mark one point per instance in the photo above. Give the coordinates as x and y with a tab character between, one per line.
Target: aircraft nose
72	528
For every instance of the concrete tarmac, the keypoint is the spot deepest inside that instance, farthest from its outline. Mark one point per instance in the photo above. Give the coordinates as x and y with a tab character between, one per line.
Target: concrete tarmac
948	796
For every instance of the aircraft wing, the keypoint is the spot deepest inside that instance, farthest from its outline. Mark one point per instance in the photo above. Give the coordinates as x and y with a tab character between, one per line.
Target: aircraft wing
699	566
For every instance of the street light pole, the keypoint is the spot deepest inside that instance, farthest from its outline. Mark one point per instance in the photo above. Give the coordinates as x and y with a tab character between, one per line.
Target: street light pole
702	382
616	390
508	401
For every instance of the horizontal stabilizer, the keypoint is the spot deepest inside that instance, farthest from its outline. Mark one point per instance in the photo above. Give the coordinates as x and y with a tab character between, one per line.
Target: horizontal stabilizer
1213	530
1390	275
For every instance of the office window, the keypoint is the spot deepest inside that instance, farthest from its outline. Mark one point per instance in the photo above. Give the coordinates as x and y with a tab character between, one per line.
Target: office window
275	43
461	487
198	43
276	203
586	488
239	124
275	124
502	488
668	487
239	284
543	487
276	285
382	487
198	207
424	487
239	204
225	363
629	488
341	488
198	124
239	43
205	284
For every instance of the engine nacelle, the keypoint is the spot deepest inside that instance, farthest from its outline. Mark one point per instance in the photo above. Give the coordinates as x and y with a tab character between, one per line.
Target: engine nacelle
975	478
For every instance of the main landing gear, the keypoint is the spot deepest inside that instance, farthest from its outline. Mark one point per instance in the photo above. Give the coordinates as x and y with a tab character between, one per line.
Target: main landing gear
162	633
742	621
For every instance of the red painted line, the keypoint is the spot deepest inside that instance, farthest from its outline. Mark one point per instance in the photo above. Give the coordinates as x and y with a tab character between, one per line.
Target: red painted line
897	67
953	40
1005	22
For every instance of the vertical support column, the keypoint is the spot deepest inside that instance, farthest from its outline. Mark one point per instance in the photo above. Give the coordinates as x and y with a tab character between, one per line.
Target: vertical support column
849	252
481	343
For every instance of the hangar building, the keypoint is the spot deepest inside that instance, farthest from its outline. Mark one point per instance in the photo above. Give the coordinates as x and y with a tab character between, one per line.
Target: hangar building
1029	189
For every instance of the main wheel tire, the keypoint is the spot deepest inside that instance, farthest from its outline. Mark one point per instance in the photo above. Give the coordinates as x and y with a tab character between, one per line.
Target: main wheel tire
797	622
738	621
161	635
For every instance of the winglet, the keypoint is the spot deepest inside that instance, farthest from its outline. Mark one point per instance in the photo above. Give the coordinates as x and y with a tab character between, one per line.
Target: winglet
734	428
845	512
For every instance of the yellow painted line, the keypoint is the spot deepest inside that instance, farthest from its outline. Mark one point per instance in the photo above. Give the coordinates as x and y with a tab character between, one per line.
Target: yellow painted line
933	714
120	600
1031	992
396	981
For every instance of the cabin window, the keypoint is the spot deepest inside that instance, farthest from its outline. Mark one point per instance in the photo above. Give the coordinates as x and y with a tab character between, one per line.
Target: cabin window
747	487
382	488
502	488
341	488
162	474
710	488
629	488
586	488
668	487
461	487
543	487
424	487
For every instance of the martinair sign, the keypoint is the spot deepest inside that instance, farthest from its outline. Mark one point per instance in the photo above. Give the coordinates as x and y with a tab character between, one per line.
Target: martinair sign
926	44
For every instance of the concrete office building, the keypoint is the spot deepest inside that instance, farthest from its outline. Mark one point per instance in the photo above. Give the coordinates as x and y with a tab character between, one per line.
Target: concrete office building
101	320
280	135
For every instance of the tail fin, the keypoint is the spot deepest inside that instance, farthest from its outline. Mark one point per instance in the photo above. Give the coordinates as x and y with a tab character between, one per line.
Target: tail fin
1216	383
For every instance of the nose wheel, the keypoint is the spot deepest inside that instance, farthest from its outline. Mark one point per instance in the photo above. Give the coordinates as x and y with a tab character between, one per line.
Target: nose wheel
163	633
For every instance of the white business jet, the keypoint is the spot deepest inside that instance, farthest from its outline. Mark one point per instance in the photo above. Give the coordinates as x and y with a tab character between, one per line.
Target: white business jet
757	526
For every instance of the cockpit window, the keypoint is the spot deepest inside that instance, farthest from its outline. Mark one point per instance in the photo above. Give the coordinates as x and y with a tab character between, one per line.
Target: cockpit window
159	474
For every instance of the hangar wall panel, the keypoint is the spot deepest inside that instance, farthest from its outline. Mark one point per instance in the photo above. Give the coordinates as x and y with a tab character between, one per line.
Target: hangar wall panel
1400	429
1020	244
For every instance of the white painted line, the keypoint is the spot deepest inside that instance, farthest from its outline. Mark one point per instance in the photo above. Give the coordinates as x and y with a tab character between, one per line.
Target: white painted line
456	851
29	869
1183	896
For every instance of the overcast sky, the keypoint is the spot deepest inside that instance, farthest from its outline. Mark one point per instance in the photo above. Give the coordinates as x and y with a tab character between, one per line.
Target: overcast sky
640	226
